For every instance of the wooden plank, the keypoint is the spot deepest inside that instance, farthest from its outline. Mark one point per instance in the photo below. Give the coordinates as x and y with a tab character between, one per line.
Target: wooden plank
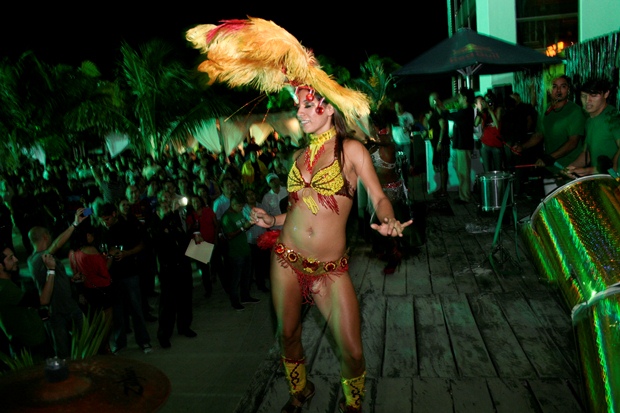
394	395
396	284
373	279
373	313
434	349
326	387
468	346
486	279
464	277
432	395
418	275
509	271
434	238
504	348
555	396
471	395
358	267
511	396
442	277
526	273
319	346
276	395
557	322
460	211
540	349
400	357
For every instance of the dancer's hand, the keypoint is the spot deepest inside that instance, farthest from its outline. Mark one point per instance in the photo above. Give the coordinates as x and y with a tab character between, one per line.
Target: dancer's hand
391	227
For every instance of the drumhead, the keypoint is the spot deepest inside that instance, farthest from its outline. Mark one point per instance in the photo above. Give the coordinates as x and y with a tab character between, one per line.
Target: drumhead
495	175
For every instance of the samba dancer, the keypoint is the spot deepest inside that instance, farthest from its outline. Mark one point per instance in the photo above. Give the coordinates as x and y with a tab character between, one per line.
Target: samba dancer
309	260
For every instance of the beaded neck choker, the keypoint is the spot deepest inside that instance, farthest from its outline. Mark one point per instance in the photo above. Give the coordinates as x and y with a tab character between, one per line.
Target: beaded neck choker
316	147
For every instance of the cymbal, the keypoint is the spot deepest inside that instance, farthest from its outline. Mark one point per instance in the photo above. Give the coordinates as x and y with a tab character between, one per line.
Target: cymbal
98	384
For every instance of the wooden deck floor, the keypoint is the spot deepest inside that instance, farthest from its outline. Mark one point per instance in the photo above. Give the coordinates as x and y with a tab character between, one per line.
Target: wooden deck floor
446	332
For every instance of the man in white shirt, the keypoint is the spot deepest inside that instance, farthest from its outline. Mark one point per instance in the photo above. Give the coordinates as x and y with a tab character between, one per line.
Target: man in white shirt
402	133
271	200
222	202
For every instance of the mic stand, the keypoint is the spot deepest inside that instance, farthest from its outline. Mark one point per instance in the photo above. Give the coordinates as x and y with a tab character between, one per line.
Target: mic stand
497	247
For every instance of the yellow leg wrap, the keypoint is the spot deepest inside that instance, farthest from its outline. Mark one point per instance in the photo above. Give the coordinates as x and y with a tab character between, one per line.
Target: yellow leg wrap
295	374
354	390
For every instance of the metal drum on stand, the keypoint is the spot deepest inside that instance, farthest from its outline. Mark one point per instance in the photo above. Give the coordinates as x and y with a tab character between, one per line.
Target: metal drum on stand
493	186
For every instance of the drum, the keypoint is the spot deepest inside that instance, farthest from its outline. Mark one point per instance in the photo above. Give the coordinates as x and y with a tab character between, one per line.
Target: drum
577	229
492	186
575	241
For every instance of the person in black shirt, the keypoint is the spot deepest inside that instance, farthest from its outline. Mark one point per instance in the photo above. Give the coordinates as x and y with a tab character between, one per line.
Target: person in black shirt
175	275
462	140
125	240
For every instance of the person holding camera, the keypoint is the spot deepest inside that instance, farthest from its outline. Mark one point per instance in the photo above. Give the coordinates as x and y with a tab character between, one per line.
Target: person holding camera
64	309
490	113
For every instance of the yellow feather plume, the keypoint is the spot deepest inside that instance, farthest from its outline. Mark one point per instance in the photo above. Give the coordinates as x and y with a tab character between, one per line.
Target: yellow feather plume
261	54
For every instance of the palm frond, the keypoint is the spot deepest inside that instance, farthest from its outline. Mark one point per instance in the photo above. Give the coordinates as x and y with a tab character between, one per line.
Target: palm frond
23	360
374	83
87	341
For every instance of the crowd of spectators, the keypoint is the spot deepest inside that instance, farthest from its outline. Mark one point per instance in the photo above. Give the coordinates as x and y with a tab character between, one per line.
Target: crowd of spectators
141	193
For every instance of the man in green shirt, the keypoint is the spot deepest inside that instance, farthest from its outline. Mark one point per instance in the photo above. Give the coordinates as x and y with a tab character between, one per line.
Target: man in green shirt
560	128
19	318
602	146
234	226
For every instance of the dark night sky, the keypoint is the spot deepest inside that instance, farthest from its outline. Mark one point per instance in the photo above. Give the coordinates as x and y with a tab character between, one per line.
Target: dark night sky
63	34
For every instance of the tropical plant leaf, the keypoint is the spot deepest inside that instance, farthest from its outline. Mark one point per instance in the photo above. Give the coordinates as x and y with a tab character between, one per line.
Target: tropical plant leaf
375	83
23	360
87	341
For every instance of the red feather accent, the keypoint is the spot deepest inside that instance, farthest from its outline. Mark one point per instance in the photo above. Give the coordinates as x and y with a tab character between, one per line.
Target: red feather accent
268	239
227	26
329	201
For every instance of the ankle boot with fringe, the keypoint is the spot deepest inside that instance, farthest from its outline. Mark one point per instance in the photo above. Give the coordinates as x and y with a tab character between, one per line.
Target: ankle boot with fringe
300	389
353	390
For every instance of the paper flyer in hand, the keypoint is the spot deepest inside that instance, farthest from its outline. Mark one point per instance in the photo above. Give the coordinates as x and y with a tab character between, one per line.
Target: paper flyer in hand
201	252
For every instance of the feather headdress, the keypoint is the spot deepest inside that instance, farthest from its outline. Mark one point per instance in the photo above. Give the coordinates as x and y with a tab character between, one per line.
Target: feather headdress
261	54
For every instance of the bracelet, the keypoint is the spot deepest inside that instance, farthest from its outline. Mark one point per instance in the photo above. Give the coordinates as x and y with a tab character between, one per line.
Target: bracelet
50	271
274	221
75	224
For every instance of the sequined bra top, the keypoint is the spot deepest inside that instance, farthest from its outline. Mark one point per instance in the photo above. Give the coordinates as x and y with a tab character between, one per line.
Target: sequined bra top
326	182
378	162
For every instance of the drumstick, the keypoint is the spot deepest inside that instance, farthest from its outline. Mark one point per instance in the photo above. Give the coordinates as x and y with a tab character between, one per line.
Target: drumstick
531	165
513	150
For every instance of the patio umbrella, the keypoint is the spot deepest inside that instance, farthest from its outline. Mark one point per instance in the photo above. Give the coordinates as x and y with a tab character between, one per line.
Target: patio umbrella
468	53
